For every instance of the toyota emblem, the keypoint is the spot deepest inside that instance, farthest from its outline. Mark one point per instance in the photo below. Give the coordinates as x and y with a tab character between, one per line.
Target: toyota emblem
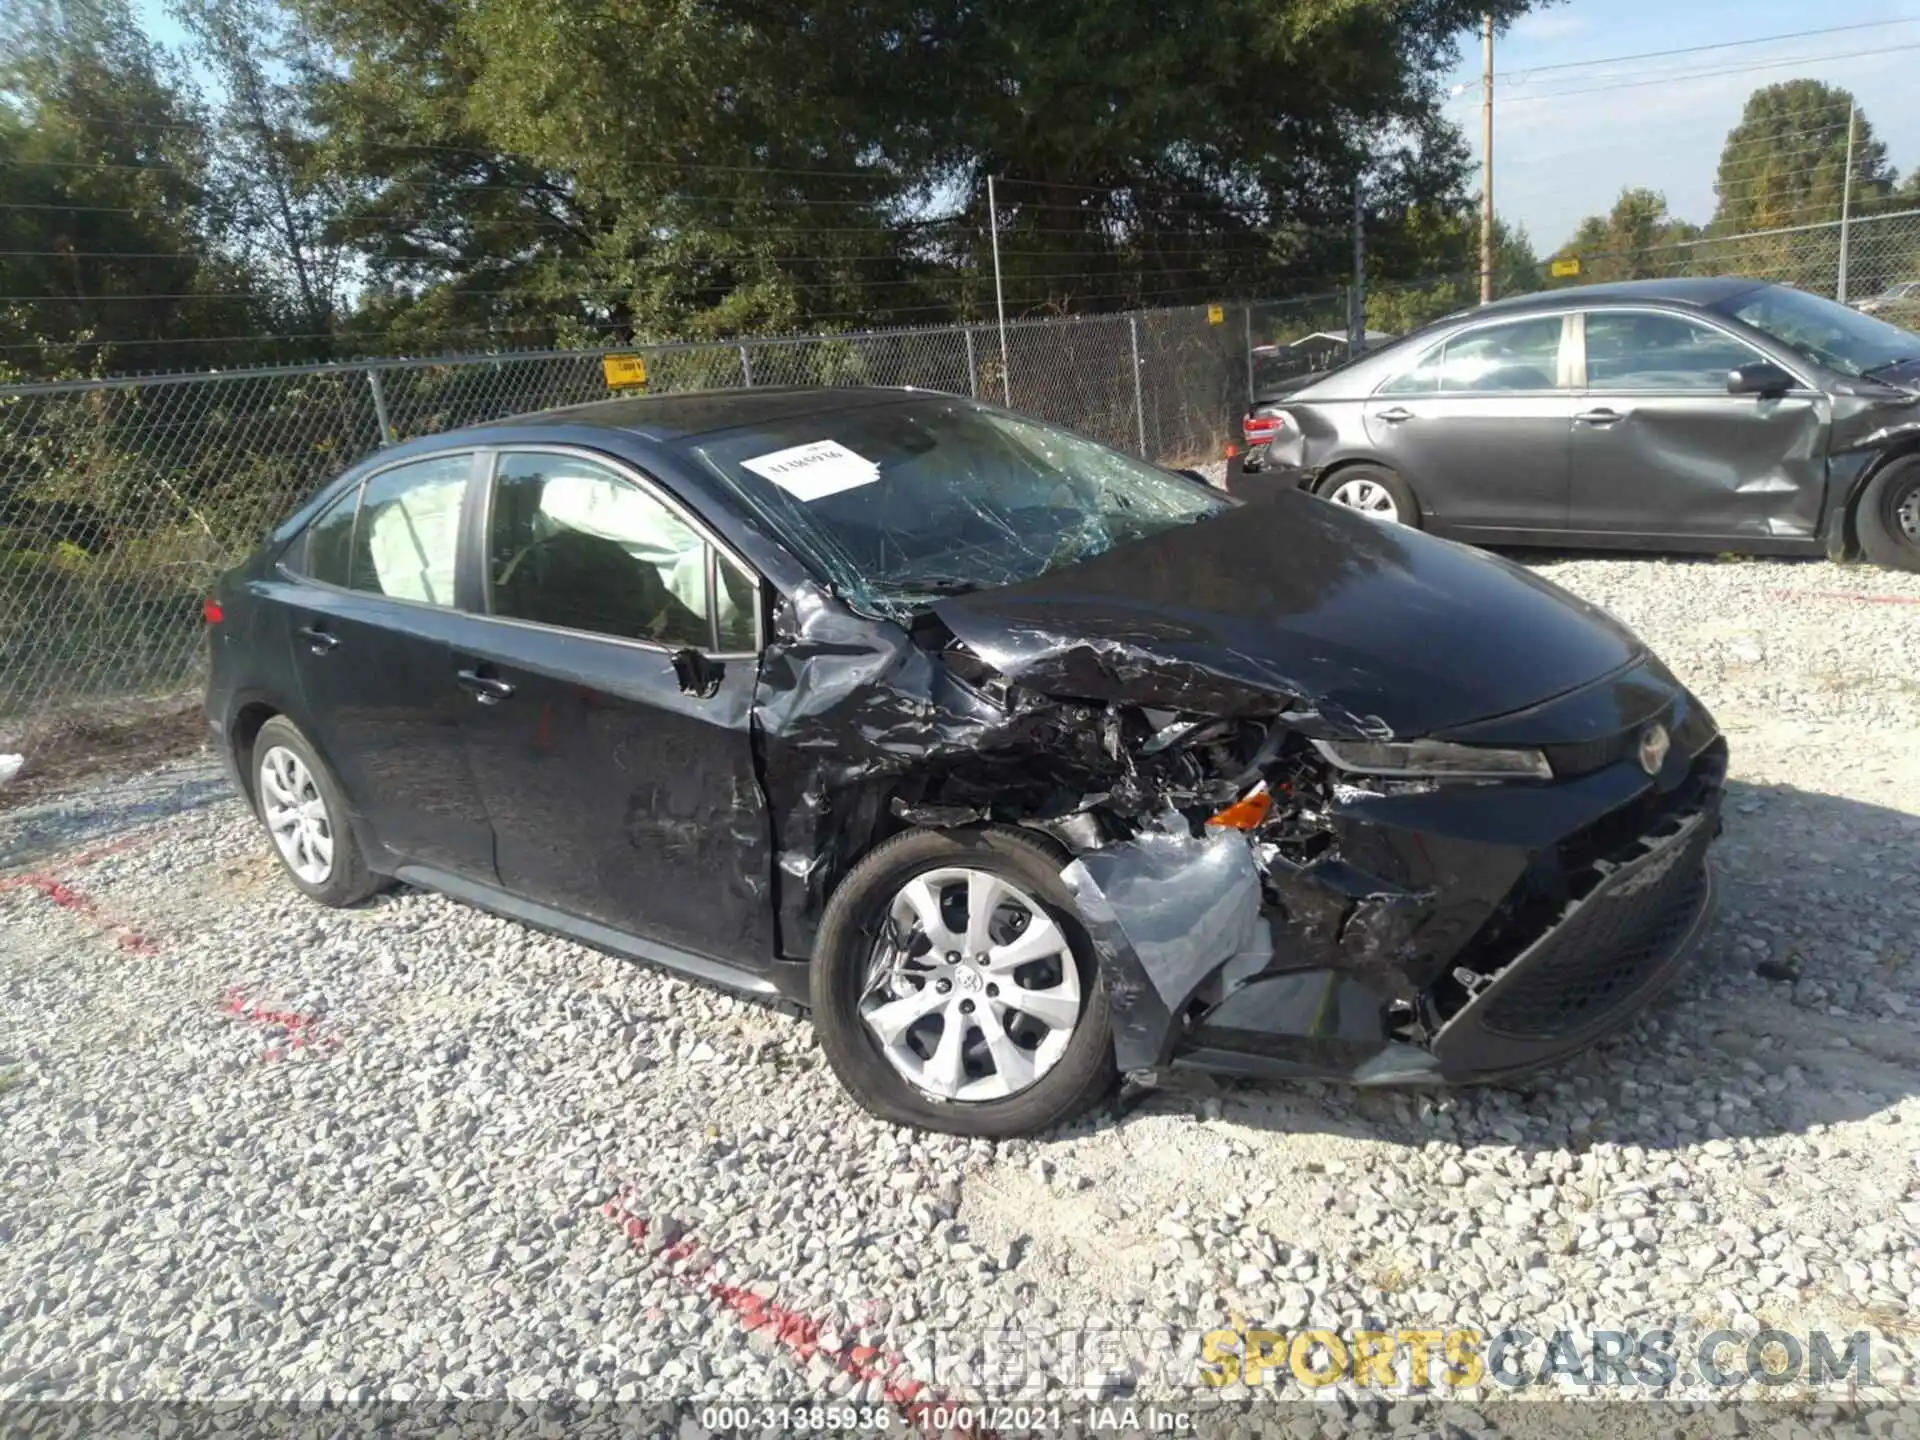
1653	749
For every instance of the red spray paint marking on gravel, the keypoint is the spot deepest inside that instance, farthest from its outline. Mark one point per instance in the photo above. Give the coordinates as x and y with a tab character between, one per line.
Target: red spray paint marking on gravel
303	1031
68	898
792	1330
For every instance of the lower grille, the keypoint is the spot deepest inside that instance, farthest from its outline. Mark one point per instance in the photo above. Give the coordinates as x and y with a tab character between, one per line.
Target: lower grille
1607	948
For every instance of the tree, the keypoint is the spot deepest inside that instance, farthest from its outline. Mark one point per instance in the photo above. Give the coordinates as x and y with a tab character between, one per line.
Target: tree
1636	240
1784	168
538	166
1785	163
103	196
276	205
1444	246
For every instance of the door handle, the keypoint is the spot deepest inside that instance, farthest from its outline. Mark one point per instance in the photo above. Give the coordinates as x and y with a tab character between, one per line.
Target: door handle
318	640
1602	416
485	688
1394	416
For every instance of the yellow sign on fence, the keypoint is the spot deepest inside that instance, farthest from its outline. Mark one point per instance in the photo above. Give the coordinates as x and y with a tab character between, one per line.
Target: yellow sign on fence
1564	268
625	372
1216	314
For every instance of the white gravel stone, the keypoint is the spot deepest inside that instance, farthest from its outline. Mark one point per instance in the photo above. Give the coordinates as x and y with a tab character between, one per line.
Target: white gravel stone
252	1147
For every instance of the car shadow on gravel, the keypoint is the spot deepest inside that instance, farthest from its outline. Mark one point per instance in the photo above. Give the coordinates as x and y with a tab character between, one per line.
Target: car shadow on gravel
103	813
1801	1009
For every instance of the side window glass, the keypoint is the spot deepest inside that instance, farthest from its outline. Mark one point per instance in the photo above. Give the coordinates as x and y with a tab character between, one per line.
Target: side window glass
1422	379
576	545
1628	350
1522	356
329	545
407	535
737	599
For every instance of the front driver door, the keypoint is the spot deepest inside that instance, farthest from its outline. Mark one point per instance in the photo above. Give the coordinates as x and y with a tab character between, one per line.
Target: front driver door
1661	449
1480	427
611	694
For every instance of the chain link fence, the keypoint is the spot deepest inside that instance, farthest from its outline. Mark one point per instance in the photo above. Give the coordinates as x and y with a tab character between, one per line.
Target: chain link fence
1856	261
122	500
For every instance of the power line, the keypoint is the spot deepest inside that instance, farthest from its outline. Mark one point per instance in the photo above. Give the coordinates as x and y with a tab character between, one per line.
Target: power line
1758	142
1669	77
1520	76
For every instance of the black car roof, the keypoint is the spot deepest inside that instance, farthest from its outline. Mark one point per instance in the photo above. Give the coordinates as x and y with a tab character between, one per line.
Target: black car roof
1694	290
695	412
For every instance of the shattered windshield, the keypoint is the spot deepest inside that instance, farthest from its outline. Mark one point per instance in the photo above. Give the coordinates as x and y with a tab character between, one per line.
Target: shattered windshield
1824	331
900	504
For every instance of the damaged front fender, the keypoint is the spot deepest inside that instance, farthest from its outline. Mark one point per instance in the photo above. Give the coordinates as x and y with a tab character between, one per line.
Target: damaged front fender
1167	912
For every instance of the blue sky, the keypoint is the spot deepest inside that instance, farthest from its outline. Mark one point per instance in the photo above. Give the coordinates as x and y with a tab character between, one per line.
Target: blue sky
1559	156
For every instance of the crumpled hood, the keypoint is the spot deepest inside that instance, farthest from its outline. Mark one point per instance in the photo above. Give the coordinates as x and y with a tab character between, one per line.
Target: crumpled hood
1359	628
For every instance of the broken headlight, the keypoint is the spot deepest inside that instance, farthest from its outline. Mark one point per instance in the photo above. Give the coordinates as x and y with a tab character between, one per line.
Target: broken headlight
1434	758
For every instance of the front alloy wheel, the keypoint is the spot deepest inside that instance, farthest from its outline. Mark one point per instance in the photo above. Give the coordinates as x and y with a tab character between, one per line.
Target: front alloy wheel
953	987
974	994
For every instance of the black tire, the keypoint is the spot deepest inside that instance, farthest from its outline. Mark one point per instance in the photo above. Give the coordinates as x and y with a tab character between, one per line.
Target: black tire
1885	535
348	881
842	954
1404	500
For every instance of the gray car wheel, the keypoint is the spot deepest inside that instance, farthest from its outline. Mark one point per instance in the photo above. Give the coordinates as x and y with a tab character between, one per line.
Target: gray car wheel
1375	492
1888	517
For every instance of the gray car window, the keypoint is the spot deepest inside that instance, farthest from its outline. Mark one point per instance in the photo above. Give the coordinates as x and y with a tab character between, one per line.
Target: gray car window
1638	350
1521	355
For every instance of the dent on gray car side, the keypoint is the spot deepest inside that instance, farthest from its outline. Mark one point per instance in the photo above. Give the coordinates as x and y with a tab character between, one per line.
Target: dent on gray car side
1796	495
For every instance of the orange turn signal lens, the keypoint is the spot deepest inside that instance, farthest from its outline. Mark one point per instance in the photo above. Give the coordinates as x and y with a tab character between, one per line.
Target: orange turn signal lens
1246	813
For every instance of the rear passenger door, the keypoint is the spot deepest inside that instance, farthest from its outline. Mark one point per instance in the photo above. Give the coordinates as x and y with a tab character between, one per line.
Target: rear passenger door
610	697
1480	427
371	611
1661	449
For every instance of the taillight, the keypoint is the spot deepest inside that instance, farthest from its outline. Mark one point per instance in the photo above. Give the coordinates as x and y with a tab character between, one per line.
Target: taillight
211	612
1262	426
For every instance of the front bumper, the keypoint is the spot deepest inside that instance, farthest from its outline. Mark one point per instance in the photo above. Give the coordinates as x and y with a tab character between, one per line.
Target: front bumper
1460	933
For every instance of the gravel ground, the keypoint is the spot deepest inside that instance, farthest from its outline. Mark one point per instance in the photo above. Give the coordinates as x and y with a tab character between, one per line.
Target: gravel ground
251	1147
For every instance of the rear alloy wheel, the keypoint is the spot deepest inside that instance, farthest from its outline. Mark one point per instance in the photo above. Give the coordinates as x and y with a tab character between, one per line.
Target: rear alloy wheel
1889	515
300	804
954	989
1375	492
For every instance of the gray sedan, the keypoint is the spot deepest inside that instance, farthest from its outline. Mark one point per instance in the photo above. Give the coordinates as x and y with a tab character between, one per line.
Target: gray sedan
1706	414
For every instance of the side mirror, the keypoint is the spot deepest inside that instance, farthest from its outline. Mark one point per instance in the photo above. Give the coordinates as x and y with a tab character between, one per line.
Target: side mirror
1762	378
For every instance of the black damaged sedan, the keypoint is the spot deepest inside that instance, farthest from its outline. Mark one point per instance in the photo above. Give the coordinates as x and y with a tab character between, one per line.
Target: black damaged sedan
1019	762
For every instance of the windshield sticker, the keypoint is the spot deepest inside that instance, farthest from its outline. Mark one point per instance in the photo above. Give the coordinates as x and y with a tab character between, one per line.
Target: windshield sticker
812	472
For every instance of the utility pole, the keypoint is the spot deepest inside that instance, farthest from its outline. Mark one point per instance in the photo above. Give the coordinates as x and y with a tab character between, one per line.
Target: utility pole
1486	161
1357	297
999	295
1846	204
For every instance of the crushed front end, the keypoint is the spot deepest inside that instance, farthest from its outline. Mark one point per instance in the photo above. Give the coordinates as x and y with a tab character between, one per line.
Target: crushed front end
1398	928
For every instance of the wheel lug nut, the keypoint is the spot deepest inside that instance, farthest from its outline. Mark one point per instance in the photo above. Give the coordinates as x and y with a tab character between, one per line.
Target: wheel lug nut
993	990
943	986
953	957
966	1007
